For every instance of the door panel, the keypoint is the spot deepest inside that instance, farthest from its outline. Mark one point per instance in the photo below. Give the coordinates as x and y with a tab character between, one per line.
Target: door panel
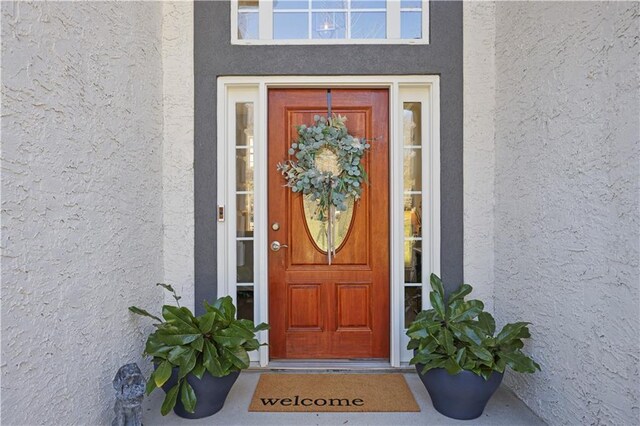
340	310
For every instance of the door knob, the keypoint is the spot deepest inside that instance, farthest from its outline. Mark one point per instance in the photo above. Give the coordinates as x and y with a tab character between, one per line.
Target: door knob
275	245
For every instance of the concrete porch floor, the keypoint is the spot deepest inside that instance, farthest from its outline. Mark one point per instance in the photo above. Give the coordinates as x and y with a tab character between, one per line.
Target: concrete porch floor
503	409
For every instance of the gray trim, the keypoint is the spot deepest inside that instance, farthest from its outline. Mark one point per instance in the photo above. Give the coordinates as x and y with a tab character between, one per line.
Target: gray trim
215	56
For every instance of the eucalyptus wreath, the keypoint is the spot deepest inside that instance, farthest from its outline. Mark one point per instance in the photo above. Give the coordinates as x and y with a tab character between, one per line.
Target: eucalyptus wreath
328	164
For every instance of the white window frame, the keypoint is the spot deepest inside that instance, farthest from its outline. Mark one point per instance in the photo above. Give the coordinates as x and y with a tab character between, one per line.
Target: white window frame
424	89
265	28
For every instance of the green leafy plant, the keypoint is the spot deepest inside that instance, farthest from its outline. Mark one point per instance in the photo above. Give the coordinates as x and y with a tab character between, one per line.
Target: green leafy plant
215	341
457	335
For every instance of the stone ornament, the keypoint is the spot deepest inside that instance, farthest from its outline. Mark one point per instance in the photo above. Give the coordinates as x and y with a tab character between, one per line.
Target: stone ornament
129	384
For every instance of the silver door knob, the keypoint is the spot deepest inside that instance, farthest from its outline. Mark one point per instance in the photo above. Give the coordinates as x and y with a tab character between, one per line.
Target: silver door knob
275	245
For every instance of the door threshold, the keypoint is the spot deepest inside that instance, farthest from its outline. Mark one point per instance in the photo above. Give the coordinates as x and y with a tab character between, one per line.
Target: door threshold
327	365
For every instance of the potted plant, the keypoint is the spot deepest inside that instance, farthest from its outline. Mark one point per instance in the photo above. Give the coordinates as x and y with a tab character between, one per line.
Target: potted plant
459	358
197	359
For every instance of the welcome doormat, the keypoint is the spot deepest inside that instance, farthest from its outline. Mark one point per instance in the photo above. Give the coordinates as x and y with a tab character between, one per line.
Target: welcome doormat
332	392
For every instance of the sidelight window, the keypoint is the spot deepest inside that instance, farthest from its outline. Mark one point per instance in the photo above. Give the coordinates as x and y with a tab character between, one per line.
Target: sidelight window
412	208
245	215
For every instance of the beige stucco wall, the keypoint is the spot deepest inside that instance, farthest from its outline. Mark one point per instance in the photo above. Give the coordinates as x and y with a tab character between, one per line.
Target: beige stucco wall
81	129
177	163
479	28
566	204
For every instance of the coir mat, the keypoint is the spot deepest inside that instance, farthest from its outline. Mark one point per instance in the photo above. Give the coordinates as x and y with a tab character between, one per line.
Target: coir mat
332	392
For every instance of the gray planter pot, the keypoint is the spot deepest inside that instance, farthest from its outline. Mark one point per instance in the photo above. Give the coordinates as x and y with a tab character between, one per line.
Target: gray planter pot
461	396
211	393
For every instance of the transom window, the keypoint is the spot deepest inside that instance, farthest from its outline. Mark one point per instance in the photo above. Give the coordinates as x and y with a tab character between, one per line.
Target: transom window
329	21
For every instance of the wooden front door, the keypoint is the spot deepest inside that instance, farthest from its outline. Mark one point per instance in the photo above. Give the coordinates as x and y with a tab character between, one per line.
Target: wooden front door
317	310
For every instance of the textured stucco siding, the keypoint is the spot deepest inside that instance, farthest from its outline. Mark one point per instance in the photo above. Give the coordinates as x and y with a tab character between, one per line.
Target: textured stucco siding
177	169
479	149
566	216
81	202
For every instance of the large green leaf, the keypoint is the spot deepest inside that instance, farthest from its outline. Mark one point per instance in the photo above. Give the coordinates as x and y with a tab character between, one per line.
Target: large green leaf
487	323
188	362
481	353
188	397
151	385
143	313
436	285
513	331
519	362
176	354
426	358
155	347
170	400
198	370
413	344
162	373
461	356
214	309
181	318
435	364
225	305
229	341
238	357
417	331
452	366
486	372
460	293
512	345
251	345
467	333
262	326
466	311
236	329
210	360
446	339
437	303
469	364
197	344
206	321
177	339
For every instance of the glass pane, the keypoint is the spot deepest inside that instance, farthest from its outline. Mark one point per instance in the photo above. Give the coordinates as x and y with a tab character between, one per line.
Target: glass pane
244	301
412	172
244	124
247	26
412	304
368	4
369	25
413	261
416	4
244	261
318	229
244	215
290	26
410	25
248	5
290	4
328	25
413	215
328	4
412	123
244	169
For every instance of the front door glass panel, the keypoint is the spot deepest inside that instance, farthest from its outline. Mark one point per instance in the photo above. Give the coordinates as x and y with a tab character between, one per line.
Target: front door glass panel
318	229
